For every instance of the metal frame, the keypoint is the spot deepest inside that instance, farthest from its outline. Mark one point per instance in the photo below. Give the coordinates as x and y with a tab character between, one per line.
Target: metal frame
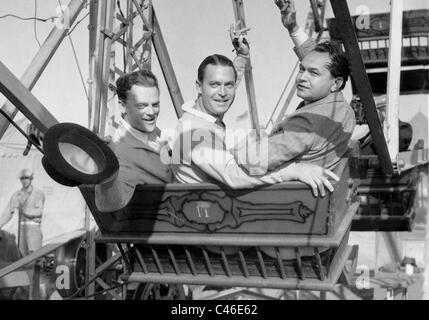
344	20
103	67
248	75
315	14
41	60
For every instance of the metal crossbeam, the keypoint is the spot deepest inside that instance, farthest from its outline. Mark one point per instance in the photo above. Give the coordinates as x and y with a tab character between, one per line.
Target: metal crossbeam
167	67
24	100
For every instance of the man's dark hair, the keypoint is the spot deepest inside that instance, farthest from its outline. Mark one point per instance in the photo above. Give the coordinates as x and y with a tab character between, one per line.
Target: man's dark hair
339	66
216	60
144	78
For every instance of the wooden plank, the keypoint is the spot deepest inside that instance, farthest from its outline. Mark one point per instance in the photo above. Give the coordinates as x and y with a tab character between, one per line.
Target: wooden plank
166	66
200	239
24	100
41	60
55	243
342	15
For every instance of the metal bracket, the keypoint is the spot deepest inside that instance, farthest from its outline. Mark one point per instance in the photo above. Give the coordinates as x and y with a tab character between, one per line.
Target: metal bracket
410	159
107	33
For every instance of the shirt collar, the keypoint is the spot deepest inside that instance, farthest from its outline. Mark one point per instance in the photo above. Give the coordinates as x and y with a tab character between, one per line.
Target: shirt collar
192	109
30	190
149	140
332	97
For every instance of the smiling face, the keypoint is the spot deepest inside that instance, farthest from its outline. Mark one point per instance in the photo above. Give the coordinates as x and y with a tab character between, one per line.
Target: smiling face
314	80
217	89
142	107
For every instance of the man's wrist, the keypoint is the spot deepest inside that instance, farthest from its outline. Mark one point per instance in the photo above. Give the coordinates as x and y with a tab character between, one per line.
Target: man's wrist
290	174
247	56
293	30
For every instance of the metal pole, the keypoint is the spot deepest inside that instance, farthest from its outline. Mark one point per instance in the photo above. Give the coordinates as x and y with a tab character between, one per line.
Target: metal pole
423	194
166	66
146	16
24	100
348	35
391	127
93	18
110	12
129	47
41	60
248	75
98	66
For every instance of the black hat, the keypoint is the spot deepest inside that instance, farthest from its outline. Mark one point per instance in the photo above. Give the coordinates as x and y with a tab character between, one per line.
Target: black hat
75	155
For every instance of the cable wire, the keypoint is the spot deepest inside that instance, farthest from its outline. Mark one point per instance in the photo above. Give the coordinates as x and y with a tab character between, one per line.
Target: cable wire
27	18
76	24
76	59
35	23
78	67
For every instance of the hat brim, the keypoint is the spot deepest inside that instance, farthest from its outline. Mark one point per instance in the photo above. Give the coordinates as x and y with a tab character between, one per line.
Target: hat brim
79	138
56	176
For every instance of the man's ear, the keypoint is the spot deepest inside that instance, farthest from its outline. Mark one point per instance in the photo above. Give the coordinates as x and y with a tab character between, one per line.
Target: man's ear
122	106
198	85
338	82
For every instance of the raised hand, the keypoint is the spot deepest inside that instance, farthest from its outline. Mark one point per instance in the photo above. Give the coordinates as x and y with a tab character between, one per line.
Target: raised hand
288	14
238	38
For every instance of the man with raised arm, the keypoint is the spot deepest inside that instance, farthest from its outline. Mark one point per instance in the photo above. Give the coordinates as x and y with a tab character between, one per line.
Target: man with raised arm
320	129
199	151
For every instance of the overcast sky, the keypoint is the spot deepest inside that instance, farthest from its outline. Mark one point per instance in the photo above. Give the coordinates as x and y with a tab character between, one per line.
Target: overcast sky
192	30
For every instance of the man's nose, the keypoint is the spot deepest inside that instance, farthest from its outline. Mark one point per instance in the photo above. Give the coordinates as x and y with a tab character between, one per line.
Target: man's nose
303	76
150	110
222	91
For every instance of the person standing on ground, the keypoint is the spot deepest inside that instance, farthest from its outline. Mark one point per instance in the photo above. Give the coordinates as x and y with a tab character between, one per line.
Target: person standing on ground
28	203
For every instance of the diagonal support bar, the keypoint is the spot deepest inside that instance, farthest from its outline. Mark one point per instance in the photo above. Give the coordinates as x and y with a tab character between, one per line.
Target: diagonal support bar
345	24
166	66
24	100
41	59
248	75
